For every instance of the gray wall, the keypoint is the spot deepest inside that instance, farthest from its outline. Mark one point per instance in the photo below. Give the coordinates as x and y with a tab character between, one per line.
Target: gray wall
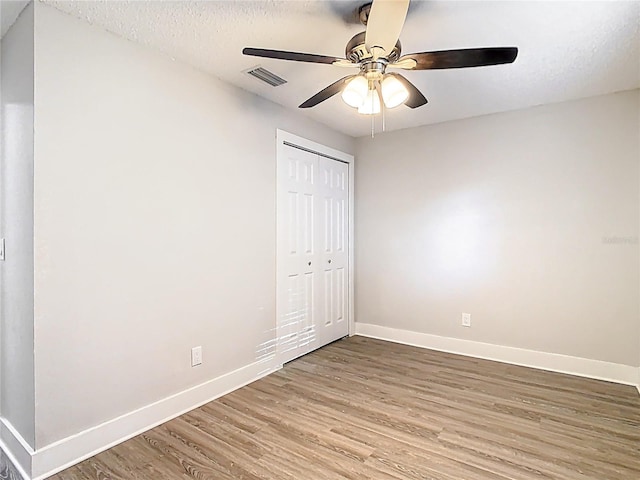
528	220
16	282
155	224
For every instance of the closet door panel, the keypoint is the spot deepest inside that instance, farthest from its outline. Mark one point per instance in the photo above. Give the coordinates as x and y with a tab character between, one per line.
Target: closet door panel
297	240
333	195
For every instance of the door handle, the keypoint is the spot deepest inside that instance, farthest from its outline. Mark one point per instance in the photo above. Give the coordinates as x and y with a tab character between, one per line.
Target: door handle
329	261
309	263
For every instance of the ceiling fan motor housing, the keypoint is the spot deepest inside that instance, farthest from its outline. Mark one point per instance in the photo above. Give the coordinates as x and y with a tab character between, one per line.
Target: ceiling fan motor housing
363	13
373	70
356	51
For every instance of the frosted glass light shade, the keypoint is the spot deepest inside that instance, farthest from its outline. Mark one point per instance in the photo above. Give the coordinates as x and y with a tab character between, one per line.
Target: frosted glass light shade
355	92
394	92
371	104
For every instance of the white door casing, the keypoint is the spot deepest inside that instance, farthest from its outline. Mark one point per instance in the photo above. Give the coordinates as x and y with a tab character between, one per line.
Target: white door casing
314	297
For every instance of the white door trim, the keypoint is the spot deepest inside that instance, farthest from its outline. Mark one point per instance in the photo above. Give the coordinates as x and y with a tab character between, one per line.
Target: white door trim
284	139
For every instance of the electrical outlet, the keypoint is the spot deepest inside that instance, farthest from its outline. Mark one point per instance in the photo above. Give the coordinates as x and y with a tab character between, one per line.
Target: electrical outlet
196	356
466	319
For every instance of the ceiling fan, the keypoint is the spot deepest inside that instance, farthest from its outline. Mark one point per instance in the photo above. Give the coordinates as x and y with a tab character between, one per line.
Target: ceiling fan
378	49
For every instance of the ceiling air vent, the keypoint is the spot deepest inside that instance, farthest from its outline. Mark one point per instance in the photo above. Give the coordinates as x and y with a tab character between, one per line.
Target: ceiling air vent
266	76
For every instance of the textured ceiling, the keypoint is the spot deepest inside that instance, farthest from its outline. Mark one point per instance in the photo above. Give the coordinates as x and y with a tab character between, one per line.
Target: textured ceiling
568	49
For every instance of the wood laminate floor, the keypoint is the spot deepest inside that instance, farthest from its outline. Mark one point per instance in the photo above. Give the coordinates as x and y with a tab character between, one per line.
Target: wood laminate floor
362	408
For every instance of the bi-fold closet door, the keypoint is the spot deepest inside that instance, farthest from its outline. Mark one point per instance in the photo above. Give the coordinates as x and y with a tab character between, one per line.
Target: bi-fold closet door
313	251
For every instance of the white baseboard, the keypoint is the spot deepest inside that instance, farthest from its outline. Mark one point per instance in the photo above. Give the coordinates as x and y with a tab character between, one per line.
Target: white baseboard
16	448
71	450
582	367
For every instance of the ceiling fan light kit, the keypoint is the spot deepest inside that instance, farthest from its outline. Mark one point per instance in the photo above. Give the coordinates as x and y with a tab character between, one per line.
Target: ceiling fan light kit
393	92
362	92
371	104
377	48
356	91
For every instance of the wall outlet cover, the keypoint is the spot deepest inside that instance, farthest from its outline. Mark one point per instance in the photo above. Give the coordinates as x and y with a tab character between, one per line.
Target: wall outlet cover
466	319
196	356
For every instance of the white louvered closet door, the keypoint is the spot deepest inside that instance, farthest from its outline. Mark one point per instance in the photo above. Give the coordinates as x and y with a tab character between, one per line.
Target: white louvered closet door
312	283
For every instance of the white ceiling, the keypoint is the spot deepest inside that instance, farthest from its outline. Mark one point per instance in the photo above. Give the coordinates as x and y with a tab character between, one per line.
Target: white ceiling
568	49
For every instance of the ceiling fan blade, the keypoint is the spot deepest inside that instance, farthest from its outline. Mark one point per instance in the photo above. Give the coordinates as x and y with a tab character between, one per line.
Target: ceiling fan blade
293	56
328	92
416	99
384	25
345	63
406	64
469	57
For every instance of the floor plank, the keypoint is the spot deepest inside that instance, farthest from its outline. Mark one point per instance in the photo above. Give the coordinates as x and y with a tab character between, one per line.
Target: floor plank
366	409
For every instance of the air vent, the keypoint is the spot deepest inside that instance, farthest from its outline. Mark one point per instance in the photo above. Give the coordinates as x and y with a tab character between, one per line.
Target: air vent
266	76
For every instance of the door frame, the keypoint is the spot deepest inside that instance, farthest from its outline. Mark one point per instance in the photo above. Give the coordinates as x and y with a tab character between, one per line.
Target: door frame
285	139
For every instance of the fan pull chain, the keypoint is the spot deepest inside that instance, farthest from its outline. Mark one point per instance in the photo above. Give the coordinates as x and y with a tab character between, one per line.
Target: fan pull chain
383	108
381	100
372	126
373	103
